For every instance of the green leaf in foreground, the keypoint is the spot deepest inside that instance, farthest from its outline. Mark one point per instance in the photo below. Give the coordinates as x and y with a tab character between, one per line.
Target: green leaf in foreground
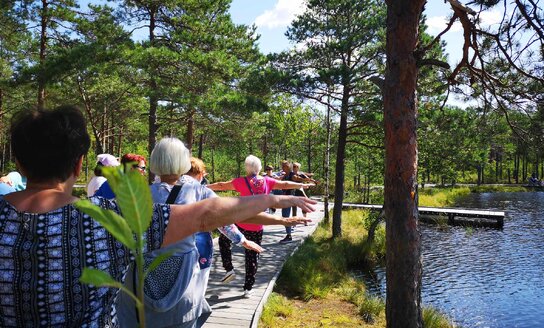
157	261
98	278
103	279
133	197
110	220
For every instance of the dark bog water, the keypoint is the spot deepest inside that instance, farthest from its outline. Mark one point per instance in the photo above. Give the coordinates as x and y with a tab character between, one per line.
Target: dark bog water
484	277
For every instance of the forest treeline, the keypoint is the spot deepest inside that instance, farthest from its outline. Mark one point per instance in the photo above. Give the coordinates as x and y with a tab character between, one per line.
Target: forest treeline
141	70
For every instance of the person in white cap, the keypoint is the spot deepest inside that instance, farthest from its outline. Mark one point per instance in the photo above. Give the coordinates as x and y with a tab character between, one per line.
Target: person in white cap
97	180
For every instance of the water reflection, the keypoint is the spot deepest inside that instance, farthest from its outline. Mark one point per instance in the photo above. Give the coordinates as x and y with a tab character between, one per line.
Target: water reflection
484	277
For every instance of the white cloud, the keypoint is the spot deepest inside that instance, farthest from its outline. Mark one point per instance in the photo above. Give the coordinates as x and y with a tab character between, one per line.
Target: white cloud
282	15
490	17
437	24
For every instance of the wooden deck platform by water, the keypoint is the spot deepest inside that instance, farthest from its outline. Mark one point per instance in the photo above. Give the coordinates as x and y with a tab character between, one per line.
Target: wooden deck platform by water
473	217
230	308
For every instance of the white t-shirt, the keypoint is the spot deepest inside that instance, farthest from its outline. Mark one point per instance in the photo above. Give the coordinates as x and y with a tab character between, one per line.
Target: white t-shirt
94	184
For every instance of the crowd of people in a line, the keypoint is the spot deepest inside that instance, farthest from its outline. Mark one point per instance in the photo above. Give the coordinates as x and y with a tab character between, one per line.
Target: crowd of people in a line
45	241
533	181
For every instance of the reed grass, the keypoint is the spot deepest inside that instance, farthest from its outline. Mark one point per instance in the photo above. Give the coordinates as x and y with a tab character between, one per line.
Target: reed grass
321	270
434	319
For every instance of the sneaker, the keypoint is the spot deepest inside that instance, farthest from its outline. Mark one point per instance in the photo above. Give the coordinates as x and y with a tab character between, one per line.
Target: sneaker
228	277
248	293
287	239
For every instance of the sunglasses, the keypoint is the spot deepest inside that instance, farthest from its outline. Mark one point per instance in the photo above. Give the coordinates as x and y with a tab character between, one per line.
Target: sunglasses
135	166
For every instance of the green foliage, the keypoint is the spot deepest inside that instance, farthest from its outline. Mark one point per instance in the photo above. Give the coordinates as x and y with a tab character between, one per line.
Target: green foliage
130	188
370	308
112	221
356	195
276	306
441	197
134	200
495	188
434	319
321	268
321	263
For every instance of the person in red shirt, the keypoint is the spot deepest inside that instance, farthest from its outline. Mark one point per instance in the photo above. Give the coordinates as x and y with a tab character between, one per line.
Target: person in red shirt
251	184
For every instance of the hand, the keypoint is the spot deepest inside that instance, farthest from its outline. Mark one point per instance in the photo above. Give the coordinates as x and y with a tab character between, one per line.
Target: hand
308	185
305	204
296	220
7	181
252	246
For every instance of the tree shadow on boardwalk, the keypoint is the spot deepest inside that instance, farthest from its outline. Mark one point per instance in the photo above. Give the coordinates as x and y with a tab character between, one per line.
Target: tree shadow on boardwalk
230	307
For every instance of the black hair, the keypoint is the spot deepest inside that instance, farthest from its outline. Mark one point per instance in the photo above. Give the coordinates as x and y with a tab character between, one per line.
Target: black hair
98	169
48	143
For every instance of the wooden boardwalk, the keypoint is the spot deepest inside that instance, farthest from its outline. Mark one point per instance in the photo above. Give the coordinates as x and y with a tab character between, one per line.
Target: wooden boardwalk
230	308
474	216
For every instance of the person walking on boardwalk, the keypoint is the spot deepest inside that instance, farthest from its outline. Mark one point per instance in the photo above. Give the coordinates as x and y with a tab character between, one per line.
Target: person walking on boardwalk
46	241
287	175
102	160
136	161
302	177
251	184
175	289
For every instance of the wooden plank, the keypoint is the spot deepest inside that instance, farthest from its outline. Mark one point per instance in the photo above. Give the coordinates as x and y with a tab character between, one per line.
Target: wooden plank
230	308
461	216
228	321
457	211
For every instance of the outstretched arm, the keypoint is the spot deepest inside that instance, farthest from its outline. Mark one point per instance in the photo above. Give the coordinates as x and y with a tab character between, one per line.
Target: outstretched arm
269	219
220	211
221	186
303	178
291	185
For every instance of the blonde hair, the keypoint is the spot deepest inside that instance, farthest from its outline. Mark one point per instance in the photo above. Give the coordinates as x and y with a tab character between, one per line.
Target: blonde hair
197	167
170	156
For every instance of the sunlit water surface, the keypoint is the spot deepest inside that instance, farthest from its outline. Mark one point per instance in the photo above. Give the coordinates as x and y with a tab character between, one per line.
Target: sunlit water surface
484	277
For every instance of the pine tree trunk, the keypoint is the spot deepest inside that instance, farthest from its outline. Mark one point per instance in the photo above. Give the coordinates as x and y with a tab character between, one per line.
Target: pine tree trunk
190	134
43	47
153	96
403	253
340	162
201	146
309	155
327	165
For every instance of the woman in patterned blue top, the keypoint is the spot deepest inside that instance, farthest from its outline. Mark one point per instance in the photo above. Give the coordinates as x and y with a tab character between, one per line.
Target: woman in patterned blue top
45	242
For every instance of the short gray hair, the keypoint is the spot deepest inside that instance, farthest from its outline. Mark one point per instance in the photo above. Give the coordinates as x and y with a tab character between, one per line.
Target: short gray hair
170	156
253	165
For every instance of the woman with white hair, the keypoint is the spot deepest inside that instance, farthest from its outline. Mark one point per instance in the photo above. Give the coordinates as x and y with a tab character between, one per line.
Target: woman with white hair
174	291
251	184
46	240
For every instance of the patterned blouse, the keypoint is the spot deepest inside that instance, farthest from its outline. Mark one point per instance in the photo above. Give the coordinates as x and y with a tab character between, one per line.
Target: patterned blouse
42	257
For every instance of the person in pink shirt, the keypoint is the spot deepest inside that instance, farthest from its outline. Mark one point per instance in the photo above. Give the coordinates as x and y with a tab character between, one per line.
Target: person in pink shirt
251	184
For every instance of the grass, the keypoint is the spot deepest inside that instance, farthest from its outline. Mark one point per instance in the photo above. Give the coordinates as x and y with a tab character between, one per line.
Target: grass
441	197
277	307
499	188
435	319
436	196
316	287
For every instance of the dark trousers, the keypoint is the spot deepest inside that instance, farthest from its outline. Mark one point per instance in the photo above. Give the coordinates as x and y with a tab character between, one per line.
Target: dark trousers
252	257
299	193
